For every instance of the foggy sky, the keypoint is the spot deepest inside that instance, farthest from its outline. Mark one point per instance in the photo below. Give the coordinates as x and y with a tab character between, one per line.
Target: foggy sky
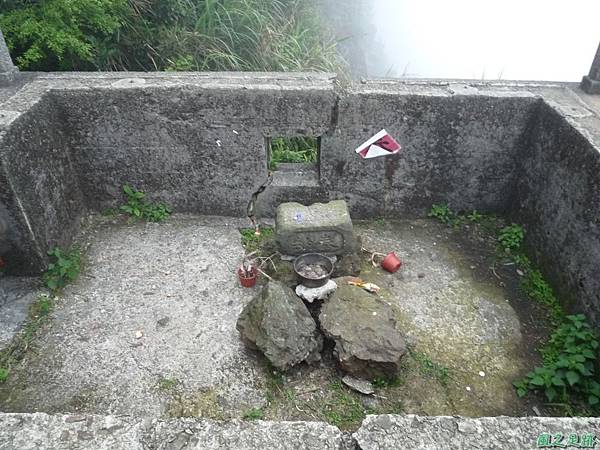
511	40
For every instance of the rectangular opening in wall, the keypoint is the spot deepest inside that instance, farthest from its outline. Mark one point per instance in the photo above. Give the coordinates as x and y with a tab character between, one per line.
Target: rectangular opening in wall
293	150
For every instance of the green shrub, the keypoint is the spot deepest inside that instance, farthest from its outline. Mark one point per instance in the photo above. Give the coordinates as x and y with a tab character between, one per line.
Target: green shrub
138	208
568	371
63	269
60	34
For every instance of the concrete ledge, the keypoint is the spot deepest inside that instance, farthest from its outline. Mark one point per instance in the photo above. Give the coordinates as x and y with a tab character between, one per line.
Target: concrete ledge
64	431
44	431
416	432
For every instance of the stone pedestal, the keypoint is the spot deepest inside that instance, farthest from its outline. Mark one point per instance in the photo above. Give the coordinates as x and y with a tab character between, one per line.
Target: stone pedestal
591	82
323	228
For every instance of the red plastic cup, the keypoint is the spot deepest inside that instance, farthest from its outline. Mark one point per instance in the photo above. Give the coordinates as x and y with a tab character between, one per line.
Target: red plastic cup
248	281
391	263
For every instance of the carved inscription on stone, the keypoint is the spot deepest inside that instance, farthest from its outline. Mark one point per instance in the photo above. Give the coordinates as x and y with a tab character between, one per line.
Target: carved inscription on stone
315	241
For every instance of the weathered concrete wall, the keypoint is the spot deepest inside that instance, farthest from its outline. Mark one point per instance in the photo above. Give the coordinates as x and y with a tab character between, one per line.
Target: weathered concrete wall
458	147
40	197
557	201
197	141
199	146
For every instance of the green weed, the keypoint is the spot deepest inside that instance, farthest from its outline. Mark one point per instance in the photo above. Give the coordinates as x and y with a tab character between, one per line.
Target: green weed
37	316
444	214
537	288
252	241
343	410
474	216
379	222
511	238
567	374
110	212
63	269
254	414
166	384
385	382
429	368
138	208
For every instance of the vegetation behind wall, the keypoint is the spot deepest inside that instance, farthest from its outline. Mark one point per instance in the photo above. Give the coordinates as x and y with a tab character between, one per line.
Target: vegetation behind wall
148	35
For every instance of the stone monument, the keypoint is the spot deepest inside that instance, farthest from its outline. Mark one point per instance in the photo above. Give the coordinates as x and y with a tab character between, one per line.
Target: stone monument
591	82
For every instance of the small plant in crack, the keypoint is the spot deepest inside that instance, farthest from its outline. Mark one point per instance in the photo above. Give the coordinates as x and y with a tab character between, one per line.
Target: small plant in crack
254	414
385	382
38	315
252	241
166	384
139	208
444	214
63	269
429	368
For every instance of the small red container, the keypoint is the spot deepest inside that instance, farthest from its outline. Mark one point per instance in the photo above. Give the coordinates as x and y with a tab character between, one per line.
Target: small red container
245	280
391	263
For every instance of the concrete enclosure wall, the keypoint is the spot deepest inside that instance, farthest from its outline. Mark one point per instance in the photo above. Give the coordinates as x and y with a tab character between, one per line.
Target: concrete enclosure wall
198	142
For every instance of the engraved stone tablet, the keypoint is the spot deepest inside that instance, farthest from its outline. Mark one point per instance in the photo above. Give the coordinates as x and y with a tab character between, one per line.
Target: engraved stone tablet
319	228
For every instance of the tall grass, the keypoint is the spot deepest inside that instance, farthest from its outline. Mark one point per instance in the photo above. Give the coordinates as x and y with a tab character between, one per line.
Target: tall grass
214	35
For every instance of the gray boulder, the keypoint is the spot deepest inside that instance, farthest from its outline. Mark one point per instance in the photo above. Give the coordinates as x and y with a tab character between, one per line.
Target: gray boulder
367	343
278	324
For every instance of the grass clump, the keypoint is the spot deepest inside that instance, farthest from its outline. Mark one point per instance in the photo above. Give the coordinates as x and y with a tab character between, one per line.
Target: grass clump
293	150
252	241
342	408
386	382
138	208
64	268
254	414
166	384
431	369
38	315
444	214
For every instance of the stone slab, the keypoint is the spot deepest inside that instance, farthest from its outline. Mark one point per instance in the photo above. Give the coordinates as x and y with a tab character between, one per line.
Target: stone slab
95	432
319	228
391	432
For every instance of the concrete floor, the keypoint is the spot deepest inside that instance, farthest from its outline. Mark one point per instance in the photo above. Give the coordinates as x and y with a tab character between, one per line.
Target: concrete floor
174	283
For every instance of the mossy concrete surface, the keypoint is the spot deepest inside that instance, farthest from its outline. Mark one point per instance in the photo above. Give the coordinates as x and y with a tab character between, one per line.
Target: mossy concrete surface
153	302
456	312
159	302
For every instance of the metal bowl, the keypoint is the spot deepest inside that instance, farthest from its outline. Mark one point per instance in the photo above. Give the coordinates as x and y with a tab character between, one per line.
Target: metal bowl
308	279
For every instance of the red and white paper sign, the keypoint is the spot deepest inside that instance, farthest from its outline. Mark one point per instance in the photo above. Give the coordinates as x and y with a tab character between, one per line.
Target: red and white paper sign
382	144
